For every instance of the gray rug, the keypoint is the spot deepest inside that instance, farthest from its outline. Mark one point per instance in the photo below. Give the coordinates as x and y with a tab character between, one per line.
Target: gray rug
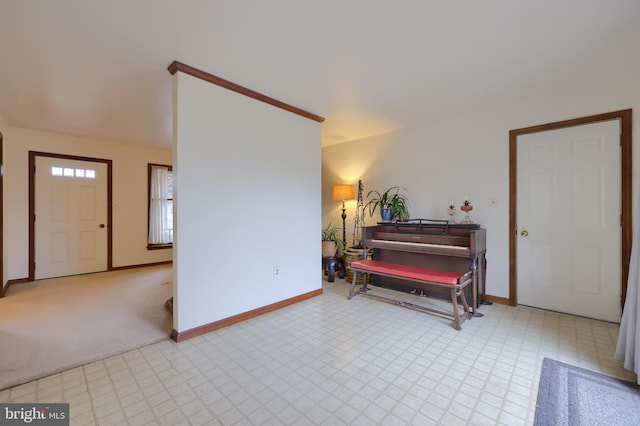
570	395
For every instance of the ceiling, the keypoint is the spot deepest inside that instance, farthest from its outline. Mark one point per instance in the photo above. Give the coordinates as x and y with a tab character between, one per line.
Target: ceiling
99	68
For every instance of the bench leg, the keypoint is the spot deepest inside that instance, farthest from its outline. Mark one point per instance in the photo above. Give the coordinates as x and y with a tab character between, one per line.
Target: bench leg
456	313
353	284
474	291
458	320
467	313
363	289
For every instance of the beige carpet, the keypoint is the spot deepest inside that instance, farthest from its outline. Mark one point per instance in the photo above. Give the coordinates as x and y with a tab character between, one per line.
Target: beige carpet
52	325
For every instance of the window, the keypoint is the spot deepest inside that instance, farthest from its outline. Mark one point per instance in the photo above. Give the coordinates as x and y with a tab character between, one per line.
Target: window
160	206
68	172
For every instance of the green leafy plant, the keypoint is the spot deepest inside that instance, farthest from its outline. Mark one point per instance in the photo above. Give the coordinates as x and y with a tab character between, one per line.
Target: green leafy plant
390	199
332	234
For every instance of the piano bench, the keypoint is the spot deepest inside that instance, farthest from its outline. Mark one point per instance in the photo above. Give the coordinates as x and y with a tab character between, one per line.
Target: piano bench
424	278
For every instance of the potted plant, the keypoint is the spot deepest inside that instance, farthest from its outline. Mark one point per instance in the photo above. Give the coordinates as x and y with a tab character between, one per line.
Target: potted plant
392	204
331	242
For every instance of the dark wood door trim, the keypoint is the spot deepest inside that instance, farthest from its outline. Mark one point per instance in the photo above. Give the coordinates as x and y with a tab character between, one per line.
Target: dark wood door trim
625	117
32	205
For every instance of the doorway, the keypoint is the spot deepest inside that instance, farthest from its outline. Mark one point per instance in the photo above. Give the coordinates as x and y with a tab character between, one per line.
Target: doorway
70	210
517	141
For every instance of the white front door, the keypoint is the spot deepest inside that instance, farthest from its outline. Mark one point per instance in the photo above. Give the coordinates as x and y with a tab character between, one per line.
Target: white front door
568	211
70	217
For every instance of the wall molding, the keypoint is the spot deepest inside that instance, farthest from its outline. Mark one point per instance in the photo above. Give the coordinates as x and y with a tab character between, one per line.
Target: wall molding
4	290
203	329
496	299
18	281
203	75
141	265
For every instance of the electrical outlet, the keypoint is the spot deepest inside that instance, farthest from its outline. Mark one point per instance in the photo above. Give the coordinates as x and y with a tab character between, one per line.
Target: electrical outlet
276	272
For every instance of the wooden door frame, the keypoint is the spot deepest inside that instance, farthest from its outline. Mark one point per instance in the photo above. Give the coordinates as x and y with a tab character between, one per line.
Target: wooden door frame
625	117
32	205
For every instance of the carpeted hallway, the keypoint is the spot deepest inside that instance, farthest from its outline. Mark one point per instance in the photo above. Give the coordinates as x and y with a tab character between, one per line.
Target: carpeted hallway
53	325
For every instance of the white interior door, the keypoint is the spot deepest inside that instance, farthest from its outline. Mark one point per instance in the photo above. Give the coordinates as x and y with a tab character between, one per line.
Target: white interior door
568	211
71	217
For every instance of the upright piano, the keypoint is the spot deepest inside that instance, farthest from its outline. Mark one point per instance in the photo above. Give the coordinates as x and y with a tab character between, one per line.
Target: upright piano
434	244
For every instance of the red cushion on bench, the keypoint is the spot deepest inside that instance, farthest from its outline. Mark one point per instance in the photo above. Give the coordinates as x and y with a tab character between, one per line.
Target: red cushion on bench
414	272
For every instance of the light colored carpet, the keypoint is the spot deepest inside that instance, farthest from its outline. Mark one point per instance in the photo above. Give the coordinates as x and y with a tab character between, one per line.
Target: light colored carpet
52	325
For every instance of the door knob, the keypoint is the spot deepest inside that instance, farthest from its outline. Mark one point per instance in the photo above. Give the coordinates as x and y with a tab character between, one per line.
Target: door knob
102	225
524	233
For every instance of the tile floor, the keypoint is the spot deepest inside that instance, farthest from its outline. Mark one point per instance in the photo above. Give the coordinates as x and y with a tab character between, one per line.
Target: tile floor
331	361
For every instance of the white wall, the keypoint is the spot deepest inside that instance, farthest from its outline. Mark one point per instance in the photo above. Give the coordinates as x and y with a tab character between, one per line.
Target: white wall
469	149
129	193
248	201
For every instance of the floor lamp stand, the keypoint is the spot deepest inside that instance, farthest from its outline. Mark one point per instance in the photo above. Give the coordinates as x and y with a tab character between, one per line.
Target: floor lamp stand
344	229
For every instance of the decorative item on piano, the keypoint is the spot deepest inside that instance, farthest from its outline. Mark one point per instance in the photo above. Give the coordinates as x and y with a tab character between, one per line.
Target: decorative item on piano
451	211
391	202
466	207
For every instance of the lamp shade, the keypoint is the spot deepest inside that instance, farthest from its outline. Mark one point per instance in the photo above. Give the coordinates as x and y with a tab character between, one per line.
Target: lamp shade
343	192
